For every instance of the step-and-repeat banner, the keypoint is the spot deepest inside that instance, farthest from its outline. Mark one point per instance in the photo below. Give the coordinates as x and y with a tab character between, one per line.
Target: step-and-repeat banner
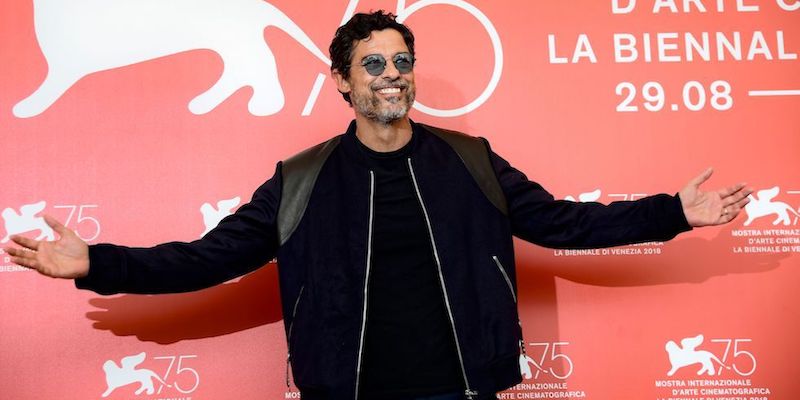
143	121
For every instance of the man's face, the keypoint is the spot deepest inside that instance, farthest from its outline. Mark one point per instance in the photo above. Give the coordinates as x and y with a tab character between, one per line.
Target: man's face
384	98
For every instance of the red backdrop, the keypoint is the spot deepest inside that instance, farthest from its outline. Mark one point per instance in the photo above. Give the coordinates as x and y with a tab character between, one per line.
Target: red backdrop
103	128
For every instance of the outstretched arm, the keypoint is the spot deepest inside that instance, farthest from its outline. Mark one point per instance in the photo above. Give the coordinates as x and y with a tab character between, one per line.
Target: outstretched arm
240	243
67	257
539	218
715	207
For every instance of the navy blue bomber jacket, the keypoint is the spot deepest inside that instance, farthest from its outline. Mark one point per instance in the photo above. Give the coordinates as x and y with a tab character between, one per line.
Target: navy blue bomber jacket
323	253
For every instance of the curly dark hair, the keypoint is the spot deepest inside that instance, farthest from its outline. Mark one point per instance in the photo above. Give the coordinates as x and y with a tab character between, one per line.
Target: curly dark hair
358	28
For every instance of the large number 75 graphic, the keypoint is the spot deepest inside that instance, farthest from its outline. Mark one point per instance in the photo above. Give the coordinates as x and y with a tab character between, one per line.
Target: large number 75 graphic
194	377
404	12
552	356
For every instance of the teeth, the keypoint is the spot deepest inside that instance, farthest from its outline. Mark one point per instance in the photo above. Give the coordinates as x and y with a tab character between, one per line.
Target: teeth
389	90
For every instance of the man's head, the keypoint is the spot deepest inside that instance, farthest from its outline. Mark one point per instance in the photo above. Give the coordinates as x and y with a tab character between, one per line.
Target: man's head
372	57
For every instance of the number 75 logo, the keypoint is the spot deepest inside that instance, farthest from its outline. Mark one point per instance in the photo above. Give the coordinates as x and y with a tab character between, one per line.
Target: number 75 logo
29	220
552	356
126	374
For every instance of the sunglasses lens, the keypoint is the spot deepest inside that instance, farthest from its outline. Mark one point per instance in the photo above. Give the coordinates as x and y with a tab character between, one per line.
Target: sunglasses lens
374	64
404	63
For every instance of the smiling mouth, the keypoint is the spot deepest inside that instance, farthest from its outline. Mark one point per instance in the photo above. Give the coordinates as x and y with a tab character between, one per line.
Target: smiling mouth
391	90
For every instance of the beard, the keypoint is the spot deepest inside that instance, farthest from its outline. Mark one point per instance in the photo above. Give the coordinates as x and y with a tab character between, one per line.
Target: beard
385	111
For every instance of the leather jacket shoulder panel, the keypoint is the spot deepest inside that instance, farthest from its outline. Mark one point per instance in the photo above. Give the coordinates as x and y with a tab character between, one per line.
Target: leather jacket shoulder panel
299	174
474	153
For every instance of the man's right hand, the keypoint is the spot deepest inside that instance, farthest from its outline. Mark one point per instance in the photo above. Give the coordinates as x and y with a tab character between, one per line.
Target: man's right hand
67	257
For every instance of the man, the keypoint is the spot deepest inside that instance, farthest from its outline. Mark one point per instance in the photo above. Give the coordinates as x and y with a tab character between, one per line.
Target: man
394	242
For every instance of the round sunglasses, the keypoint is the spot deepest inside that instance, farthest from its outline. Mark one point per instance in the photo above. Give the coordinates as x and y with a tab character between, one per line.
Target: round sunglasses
375	64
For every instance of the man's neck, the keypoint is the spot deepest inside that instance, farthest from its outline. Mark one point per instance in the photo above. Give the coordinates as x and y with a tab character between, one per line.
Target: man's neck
383	138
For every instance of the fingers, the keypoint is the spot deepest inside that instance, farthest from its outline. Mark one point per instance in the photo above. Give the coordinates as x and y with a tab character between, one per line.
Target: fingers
24	262
731	210
725	192
730	213
27	243
736	195
744	200
25	258
727	217
739	189
699	179
738	206
57	226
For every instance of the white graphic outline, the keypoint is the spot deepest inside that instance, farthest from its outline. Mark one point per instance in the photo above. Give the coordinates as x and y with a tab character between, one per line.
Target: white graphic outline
82	37
762	205
26	221
686	355
497	47
126	374
586	197
212	216
555	356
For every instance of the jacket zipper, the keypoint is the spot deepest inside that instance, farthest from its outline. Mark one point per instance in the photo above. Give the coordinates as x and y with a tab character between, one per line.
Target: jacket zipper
289	335
468	393
366	279
505	276
513	295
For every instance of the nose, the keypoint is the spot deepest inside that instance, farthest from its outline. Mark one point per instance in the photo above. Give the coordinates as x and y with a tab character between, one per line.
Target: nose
390	72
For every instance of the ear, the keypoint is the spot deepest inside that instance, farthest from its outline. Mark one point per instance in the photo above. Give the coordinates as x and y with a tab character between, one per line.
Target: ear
341	83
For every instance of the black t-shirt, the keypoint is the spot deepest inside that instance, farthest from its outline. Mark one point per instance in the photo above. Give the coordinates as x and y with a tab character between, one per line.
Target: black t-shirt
409	348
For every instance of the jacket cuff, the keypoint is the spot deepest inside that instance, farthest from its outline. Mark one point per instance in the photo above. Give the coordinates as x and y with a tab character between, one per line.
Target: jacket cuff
106	270
677	219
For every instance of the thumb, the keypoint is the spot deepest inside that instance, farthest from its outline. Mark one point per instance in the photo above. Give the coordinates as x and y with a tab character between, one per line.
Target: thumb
699	179
57	226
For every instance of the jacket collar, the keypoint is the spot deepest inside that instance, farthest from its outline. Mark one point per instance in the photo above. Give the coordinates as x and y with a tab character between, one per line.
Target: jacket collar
350	143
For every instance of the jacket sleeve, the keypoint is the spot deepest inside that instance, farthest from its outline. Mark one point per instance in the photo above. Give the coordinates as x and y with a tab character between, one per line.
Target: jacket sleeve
539	218
241	243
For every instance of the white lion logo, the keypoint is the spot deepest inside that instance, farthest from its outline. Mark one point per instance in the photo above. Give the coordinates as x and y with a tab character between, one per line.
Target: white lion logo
762	205
81	37
525	363
27	221
121	376
586	197
686	355
212	216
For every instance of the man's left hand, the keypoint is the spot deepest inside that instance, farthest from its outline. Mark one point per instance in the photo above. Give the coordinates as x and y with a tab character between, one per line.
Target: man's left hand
715	207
